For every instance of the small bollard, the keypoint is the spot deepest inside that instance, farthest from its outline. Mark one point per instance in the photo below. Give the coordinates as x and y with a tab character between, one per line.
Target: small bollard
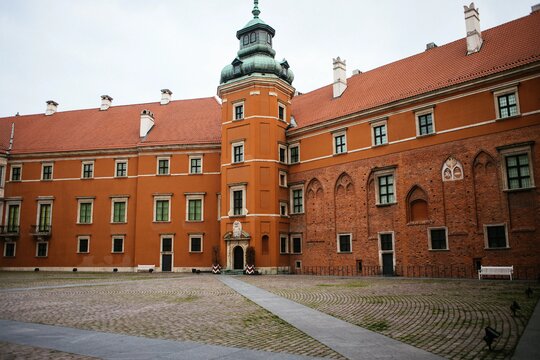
515	307
491	335
528	292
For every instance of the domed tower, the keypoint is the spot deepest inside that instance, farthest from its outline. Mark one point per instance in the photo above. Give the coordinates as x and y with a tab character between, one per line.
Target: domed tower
256	94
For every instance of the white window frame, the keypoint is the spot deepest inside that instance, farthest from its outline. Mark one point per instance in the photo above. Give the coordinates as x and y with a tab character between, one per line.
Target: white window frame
376	176
83	237
421	112
506	91
168	158
40	203
191	236
338	245
156	199
119	200
234	106
295	145
284	182
298	264
377	124
194	196
236	144
286	238
120	161
282	106
6	215
430	244
43	168
219	207
79	202
46	249
196	157
232	189
381	251
284	203
285	153
14	243
13	166
123	237
486	240
513	151
335	135
2	176
89	162
291	200
291	249
161	252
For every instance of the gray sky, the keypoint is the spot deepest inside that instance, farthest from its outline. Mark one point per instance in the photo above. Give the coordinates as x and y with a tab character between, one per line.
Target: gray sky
73	51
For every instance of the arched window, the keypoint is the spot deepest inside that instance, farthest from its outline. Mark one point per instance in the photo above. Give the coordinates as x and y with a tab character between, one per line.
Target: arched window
252	37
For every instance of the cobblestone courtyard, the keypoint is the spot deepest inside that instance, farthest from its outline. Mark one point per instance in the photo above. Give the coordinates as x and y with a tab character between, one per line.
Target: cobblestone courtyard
446	317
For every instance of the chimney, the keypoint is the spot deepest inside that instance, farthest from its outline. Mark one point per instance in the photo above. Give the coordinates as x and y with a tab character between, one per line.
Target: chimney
430	46
472	24
356	72
340	77
535	8
106	102
147	122
52	106
165	96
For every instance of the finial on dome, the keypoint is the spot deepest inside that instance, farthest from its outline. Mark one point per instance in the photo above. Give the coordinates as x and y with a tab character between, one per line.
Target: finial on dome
256	10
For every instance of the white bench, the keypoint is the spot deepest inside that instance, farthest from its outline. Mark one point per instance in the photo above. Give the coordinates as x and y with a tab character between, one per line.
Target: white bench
146	268
495	270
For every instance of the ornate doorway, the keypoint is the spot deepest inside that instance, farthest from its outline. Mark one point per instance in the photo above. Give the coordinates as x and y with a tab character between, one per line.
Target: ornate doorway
238	258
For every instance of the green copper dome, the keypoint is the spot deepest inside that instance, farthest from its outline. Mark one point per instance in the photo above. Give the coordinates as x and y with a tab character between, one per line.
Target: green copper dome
256	54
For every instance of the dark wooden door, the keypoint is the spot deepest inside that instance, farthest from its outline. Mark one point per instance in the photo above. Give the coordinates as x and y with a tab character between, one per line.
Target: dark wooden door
238	258
388	264
166	262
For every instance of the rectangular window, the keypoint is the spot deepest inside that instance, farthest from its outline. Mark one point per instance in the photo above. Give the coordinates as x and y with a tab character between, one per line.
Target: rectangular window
194	210
283	209
238	111
238	202
296	244
425	124
44	217
118	244
294	154
496	236
386	242
379	134
85	212
13	218
1	176
507	105
83	244
163	166
438	240
195	165
297	200
87	169
283	244
282	154
121	168
517	171
282	178
195	243
46	171
119	211
238	152
340	143
281	112
9	249
166	244
344	243
162	210
16	171
42	249
386	189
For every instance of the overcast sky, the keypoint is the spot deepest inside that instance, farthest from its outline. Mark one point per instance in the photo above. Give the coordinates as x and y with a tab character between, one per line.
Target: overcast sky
73	51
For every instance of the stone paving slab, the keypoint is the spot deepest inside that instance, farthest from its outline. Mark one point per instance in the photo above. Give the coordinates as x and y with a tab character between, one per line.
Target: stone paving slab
529	344
117	347
349	340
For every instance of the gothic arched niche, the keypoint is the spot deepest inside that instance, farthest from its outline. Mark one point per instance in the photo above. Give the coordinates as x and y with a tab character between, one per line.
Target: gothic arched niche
486	190
417	205
345	202
314	209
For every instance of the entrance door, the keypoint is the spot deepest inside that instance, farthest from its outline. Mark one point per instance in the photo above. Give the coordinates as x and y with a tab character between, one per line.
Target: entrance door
388	264
166	253
387	253
238	258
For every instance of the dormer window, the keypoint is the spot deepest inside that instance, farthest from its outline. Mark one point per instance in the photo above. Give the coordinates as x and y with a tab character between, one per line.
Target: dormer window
252	37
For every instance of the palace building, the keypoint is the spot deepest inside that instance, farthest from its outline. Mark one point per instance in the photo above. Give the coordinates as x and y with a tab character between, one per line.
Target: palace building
427	165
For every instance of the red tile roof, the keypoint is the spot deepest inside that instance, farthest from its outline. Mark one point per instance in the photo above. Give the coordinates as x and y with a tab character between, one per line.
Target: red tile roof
507	46
196	121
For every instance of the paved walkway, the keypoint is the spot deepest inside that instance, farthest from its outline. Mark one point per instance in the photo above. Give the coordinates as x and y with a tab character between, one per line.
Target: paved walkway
347	339
114	346
529	346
